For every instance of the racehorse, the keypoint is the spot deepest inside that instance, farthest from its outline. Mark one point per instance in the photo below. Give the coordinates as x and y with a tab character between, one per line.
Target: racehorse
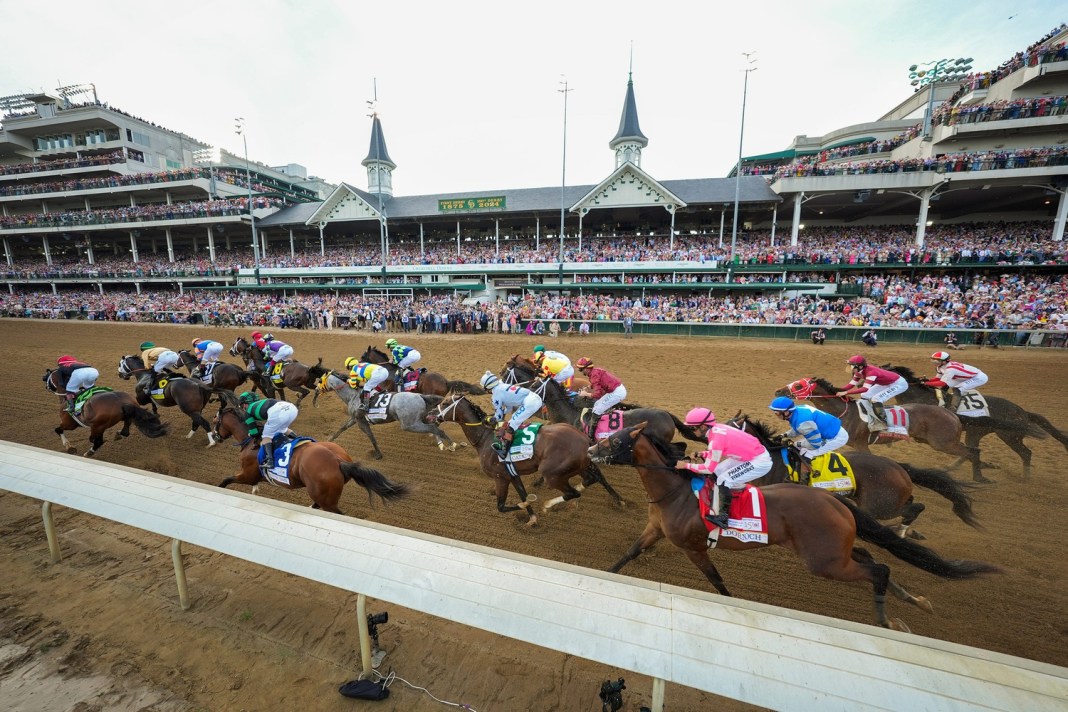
661	423
430	382
189	394
1008	421
408	409
578	381
818	526
223	375
928	424
884	487
559	454
102	411
323	468
296	376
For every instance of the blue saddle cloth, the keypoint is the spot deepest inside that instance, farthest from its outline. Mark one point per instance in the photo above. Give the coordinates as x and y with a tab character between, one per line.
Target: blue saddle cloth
283	452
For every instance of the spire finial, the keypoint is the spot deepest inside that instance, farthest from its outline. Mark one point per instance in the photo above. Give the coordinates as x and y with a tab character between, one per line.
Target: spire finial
630	69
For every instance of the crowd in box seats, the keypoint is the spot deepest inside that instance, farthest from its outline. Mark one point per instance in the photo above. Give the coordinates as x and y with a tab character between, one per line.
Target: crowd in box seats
136	213
82	182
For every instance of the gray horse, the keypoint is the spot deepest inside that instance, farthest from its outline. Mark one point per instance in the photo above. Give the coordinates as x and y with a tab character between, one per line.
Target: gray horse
408	409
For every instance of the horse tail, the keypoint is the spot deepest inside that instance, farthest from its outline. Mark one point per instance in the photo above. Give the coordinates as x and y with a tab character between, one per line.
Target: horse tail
685	430
374	481
147	422
910	552
956	492
465	387
1044	427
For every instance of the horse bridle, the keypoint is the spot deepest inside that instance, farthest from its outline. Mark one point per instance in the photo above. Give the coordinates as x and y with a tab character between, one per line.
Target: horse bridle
440	411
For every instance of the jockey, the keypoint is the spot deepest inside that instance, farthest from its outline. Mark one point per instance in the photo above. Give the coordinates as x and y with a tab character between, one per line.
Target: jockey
74	377
276	417
207	352
817	433
404	357
955	378
157	360
258	341
555	364
733	458
525	402
277	351
605	387
873	384
366	376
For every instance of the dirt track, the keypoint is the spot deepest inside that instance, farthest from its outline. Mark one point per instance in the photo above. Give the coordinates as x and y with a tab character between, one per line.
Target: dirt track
260	640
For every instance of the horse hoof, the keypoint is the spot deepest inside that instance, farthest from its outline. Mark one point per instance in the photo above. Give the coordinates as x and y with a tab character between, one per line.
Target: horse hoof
923	604
983	480
452	448
441	446
913	534
90	453
211	442
71	450
191	433
899	625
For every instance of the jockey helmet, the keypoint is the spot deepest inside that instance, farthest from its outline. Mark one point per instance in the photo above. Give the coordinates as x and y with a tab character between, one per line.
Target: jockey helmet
488	380
257	335
197	341
539	349
940	356
146	345
66	360
584	362
700	416
782	404
351	362
246	398
857	360
268	337
391	343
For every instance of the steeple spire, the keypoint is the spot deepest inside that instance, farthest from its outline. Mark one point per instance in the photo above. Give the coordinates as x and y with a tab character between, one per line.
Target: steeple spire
378	163
629	140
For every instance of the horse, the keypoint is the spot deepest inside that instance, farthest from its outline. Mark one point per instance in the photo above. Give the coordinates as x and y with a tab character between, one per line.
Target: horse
224	375
819	527
190	395
408	409
661	423
884	487
559	454
323	468
102	411
1010	422
578	381
928	424
296	376
430	382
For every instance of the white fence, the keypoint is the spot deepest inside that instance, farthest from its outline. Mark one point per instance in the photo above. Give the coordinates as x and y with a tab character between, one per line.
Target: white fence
746	651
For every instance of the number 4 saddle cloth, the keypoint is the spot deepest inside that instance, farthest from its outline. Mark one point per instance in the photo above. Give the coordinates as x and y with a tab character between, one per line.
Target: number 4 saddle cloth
831	471
746	520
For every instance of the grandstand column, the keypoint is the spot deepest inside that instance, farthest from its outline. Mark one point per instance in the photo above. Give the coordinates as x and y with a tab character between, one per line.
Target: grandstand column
671	238
422	249
537	233
89	248
211	244
47	250
263	247
580	232
497	235
921	221
722	219
322	242
170	245
7	254
457	237
1062	213
774	222
133	203
795	225
133	247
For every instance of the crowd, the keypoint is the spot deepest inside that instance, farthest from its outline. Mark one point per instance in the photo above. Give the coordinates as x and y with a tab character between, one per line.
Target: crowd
119	180
59	163
136	213
1010	301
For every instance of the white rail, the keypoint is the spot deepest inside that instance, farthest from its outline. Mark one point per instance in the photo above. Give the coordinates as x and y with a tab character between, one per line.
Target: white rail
747	651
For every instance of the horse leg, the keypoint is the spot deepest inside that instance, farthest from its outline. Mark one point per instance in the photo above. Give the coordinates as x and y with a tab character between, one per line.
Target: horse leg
366	428
96	441
593	474
62	433
862	556
199	421
908	515
859	566
303	392
569	493
500	489
704	564
348	424
650	536
1015	441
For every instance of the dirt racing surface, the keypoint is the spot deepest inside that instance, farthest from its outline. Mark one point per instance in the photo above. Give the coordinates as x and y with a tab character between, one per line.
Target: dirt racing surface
103	629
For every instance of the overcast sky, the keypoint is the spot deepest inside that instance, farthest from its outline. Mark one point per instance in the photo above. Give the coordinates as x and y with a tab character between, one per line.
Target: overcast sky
468	91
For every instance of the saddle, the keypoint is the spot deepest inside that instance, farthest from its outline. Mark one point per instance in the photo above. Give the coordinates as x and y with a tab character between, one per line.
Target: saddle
83	396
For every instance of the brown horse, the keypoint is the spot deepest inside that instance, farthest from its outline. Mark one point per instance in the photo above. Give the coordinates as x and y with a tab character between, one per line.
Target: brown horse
101	412
660	423
430	383
578	381
323	468
559	455
818	526
884	487
1010	422
928	424
189	394
296	376
224	375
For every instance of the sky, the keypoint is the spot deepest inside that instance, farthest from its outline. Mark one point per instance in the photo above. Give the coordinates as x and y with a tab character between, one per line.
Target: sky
469	92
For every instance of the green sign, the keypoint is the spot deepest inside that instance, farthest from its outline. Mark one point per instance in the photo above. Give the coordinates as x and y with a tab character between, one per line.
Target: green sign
461	205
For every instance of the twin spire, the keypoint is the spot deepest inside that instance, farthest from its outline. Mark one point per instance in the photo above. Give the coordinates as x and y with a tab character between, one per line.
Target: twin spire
627	144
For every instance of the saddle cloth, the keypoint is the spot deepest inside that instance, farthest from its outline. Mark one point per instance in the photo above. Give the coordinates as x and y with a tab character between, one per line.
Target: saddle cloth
746	520
276	372
411	380
83	397
830	471
278	472
205	372
610	422
897	420
523	443
378	407
973	405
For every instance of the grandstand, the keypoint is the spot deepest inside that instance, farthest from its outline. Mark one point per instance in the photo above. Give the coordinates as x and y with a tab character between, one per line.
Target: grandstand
964	178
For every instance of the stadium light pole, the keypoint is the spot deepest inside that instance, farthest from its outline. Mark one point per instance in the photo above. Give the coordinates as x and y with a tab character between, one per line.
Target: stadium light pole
563	171
748	68
239	129
931	73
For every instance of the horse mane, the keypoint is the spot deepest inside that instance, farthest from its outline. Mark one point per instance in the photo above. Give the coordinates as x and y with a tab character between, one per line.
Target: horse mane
762	430
824	384
666	448
904	371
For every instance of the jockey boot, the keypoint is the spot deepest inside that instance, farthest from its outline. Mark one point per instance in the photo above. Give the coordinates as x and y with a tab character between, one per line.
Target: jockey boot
145	382
880	411
953	402
68	406
268	455
804	471
197	372
591	425
503	441
720	518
